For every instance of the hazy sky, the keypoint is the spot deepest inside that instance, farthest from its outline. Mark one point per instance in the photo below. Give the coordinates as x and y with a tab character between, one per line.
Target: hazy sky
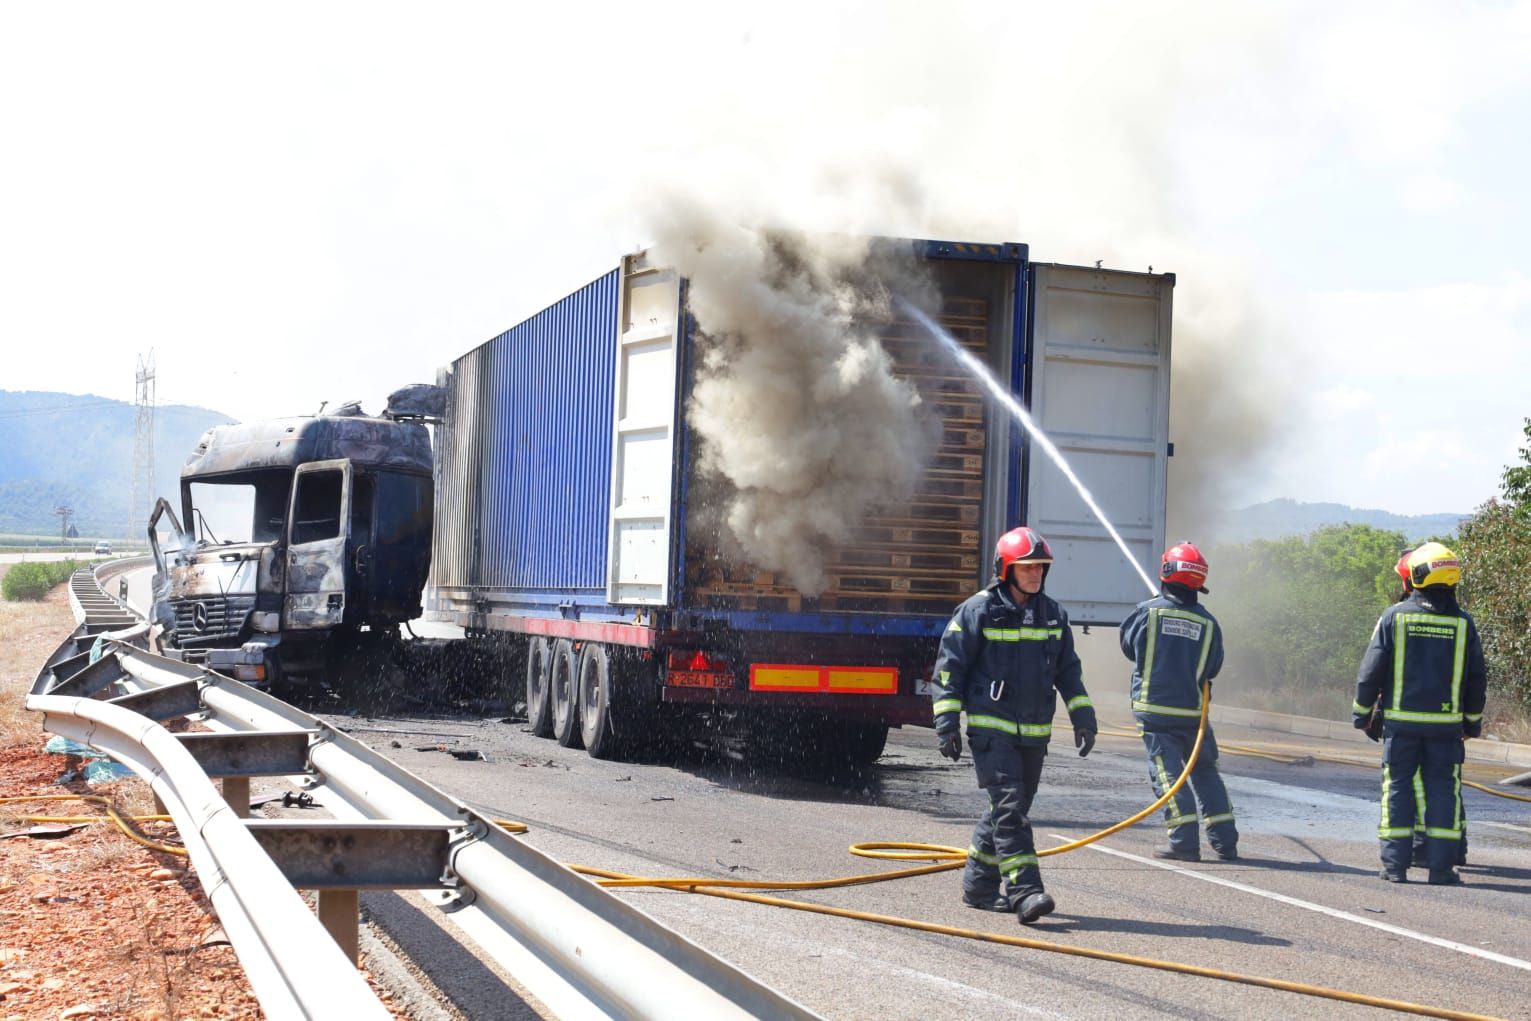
369	190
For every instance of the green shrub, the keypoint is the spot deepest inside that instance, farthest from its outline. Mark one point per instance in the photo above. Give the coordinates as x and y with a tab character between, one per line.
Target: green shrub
1496	554
1298	612
33	579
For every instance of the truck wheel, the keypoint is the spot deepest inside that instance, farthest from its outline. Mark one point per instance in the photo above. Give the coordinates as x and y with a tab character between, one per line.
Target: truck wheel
864	741
596	699
539	676
563	687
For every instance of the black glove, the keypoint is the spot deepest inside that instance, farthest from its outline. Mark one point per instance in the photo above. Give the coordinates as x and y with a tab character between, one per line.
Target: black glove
951	745
1373	727
1472	729
1084	740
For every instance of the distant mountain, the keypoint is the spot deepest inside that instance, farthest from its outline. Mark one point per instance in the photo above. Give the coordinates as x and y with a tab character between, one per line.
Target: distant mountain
77	450
1275	519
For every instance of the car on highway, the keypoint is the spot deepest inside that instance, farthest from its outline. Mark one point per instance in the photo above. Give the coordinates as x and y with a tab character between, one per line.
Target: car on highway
103	548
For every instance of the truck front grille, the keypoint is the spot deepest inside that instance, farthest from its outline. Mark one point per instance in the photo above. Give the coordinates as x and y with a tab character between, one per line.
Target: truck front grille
209	619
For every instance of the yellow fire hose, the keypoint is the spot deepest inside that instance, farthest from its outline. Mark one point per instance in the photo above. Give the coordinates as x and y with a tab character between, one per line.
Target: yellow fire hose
949	858
619	879
1262	753
124	822
945	859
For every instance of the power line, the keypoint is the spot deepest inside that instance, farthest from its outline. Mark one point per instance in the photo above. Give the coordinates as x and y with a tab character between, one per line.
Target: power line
62	409
143	444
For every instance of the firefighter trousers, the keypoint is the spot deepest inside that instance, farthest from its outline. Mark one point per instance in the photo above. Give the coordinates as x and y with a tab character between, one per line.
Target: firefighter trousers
1421	774
1003	846
1204	791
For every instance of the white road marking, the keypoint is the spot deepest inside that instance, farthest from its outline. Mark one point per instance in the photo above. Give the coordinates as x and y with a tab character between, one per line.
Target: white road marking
1462	948
981	1000
1501	825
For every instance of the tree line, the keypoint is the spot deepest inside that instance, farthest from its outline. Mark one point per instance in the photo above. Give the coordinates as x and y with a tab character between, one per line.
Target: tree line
1299	611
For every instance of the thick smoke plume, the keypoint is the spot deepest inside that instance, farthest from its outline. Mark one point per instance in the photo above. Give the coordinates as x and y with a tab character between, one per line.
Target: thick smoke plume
801	423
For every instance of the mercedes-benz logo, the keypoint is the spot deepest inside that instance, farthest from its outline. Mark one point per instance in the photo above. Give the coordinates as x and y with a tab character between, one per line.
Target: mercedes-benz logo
199	616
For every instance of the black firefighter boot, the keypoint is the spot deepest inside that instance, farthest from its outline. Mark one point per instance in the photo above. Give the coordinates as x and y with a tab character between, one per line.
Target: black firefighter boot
1034	906
995	901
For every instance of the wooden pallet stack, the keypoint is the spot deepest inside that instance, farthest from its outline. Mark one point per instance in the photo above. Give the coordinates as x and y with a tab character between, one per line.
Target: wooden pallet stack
921	556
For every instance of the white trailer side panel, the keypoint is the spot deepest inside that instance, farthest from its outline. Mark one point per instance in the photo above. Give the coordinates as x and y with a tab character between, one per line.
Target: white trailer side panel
1099	383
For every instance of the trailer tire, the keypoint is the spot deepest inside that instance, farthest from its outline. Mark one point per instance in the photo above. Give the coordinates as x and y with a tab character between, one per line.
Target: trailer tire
864	741
597	703
563	691
539	687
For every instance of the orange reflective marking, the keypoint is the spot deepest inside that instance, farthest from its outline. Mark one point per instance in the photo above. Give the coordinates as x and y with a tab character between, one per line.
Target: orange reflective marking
854	680
785	678
867	679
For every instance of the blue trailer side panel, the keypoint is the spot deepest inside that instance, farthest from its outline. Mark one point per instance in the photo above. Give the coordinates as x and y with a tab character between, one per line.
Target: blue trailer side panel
524	461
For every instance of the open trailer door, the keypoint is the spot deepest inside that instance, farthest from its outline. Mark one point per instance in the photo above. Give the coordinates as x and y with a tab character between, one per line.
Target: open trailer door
643	475
1099	387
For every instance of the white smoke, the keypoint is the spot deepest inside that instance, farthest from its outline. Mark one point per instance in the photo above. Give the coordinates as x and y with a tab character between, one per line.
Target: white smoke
801	422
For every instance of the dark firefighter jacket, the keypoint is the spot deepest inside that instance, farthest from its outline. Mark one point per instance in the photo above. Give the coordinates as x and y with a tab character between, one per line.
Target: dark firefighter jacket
1174	644
1001	662
1425	667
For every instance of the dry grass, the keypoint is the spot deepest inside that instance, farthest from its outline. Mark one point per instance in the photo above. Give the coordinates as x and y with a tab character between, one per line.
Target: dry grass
1506	722
29	633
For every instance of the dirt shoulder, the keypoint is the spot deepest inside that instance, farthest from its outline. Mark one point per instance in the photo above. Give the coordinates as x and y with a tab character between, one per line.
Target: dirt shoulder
92	923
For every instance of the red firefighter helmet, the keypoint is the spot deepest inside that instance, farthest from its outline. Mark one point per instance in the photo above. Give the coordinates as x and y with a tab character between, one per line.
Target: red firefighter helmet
1402	570
1183	564
1021	545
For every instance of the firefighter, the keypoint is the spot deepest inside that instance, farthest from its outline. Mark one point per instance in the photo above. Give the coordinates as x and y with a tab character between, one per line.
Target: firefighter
1424	669
1374	731
1175	645
1005	651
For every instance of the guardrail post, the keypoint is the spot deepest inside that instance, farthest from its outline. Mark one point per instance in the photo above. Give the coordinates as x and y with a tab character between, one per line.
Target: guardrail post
236	791
339	912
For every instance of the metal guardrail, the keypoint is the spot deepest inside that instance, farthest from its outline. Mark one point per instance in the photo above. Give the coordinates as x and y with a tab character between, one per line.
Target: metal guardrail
579	949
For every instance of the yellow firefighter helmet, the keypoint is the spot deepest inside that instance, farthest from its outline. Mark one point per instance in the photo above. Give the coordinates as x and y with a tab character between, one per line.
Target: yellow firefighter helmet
1434	564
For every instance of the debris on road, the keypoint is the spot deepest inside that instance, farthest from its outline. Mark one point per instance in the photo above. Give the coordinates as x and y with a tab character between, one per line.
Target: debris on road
46	830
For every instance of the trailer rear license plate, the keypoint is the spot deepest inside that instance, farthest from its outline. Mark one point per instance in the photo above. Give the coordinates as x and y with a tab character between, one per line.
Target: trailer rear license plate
838	680
696	679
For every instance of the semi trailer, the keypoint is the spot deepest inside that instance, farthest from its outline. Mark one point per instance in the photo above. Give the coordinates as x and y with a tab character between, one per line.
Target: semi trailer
552	507
565	470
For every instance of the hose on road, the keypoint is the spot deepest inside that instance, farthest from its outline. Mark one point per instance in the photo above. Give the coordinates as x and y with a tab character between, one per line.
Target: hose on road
620	879
943	858
948	858
1248	750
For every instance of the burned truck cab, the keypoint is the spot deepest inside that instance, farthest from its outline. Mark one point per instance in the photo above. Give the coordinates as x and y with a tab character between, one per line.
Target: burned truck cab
295	537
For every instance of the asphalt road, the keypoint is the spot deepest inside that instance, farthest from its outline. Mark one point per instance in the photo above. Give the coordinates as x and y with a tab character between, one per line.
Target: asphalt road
1304	904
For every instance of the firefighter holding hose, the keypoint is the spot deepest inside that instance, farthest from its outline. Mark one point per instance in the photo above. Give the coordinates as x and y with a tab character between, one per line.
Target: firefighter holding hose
1175	645
1004	654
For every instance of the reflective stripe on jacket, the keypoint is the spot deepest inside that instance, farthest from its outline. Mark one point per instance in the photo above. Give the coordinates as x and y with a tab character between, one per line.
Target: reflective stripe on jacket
1174	645
1425	666
1002	663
